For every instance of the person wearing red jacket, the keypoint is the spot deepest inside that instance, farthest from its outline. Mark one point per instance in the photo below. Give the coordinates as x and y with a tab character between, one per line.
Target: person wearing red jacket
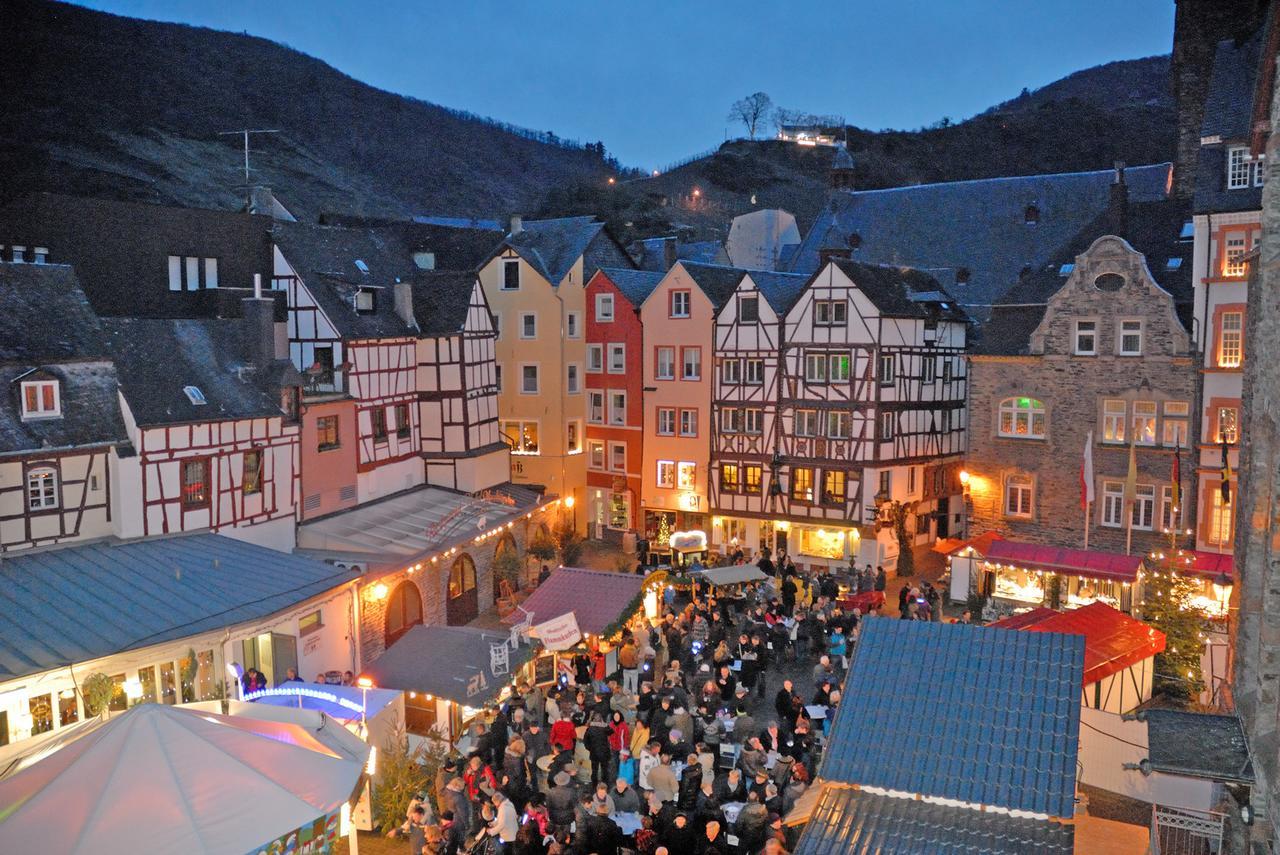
619	743
563	735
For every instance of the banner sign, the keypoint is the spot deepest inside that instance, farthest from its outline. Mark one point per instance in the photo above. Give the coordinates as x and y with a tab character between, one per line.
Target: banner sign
559	633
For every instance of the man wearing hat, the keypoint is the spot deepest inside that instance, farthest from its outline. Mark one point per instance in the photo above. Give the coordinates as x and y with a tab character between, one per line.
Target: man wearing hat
562	799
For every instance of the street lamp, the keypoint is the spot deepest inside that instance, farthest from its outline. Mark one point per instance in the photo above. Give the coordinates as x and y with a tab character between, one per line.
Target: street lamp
570	502
365	685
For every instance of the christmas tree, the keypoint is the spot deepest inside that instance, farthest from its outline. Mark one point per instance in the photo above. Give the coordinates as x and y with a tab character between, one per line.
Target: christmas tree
1168	592
664	532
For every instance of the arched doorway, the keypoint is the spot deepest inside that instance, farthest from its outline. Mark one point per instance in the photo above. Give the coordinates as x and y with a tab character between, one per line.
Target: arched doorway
507	547
463	603
404	611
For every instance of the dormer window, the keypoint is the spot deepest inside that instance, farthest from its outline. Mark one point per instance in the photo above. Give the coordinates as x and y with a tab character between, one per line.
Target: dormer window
194	395
365	300
362	267
1238	167
1031	215
41	254
19	254
424	260
41	399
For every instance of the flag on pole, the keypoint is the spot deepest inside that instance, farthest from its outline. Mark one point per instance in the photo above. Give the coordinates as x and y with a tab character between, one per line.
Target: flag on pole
1131	480
1086	474
1177	479
1226	474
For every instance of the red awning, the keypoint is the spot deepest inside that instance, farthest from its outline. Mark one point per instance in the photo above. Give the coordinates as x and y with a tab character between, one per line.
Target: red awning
979	544
1112	640
1072	562
1213	565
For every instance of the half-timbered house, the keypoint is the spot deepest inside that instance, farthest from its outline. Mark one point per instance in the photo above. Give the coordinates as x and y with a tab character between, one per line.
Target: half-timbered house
61	432
871	413
615	396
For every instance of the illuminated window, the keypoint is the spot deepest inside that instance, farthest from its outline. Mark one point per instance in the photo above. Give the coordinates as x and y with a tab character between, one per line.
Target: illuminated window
327	433
42	489
1017	495
1022	418
666	473
729	482
573	437
1144	422
404	427
1228	425
1113	421
195	483
1218	524
752	474
1176	423
1233	254
41	399
802	484
521	436
252	479
379	417
833	487
595	454
1231	340
686	475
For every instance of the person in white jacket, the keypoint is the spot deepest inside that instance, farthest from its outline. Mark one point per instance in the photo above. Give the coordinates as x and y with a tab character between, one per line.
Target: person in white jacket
648	760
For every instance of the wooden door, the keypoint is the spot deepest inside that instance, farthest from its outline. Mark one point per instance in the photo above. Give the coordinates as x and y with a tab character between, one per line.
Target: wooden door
463	604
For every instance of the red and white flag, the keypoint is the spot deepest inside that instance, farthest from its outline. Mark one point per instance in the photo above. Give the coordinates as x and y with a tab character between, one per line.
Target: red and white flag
1086	474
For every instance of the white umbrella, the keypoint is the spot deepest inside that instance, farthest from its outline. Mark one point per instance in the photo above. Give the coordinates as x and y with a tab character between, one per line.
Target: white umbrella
162	779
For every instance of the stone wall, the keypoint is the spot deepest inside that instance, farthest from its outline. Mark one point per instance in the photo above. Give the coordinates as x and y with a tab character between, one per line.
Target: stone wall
1072	389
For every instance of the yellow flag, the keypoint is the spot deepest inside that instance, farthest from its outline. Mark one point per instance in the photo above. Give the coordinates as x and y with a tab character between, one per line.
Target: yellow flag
1131	480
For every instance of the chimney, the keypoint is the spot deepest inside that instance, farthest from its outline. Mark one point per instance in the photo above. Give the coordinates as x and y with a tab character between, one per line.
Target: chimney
669	254
259	316
1118	204
517	224
403	296
826	255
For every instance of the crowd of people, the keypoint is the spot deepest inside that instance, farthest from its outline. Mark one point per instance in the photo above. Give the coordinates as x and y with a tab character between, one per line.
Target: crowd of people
698	744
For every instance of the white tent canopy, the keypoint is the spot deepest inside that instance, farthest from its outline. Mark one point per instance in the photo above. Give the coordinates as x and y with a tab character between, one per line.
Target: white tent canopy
733	574
162	779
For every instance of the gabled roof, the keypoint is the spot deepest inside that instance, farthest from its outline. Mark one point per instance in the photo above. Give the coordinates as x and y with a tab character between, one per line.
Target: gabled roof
156	358
1228	113
449	662
717	281
1198	745
553	246
901	292
780	289
979	226
653	254
1006	703
597	598
1153	230
45	316
635	285
1112	640
853	822
441	300
77	603
121	250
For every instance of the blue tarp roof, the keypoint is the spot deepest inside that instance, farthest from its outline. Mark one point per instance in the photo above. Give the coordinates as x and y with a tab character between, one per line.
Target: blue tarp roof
962	712
70	605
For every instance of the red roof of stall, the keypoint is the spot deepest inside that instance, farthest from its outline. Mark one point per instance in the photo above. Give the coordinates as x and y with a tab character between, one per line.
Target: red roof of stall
1073	562
1112	640
596	597
979	544
1211	565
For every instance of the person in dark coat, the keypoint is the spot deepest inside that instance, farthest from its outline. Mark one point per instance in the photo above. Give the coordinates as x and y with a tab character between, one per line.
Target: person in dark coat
562	799
690	784
786	703
599	834
596	741
679	836
881	579
499	735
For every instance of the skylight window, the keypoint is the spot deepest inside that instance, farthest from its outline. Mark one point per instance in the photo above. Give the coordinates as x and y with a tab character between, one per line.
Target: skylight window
1065	270
364	268
1174	264
1188	231
194	395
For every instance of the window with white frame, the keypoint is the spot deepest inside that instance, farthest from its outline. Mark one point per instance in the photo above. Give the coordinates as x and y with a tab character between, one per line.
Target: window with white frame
679	304
748	310
928	369
729	420
617	407
573	378
573	324
806	422
1218	524
838	422
666	421
1130	338
731	372
595	454
1144	506
573	436
184	272
618	456
1086	338
1144	422
511	274
752	420
1231	340
522	435
617	358
529	379
688	422
528	325
1113	420
886	369
1238	167
1113	504
1177	420
595	358
691	363
1234	246
815	368
830	313
838	367
595	407
1022	418
666	473
41	399
1169	521
604	308
887	423
686	475
801	484
665	364
1228	421
42	488
755	372
1018	492
911	480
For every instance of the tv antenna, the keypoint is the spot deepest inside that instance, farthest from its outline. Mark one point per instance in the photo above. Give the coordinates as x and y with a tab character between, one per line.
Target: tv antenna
245	132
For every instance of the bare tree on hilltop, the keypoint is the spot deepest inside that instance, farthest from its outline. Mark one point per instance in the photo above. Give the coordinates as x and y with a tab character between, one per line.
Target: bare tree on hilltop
753	111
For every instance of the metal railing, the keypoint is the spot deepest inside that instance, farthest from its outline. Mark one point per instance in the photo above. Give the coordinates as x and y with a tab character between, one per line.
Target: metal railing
1182	831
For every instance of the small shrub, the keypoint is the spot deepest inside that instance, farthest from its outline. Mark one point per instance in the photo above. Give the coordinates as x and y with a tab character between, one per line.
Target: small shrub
97	690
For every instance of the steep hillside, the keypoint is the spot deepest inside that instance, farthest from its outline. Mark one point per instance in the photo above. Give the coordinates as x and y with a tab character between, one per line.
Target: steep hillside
102	104
1117	111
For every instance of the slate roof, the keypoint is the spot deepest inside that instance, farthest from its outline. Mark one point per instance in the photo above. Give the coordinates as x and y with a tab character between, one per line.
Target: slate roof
120	251
157	357
552	246
1153	230
78	603
782	290
717	281
447	661
1228	113
902	292
1199	745
596	597
1005	704
977	225
652	255
850	822
1113	641
441	300
47	326
635	285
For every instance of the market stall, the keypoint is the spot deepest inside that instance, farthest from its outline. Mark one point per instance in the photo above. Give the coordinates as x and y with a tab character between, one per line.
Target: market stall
163	779
373	713
1028	574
